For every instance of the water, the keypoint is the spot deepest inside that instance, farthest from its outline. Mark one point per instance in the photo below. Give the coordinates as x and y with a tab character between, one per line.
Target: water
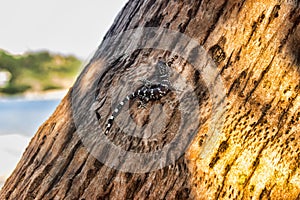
22	116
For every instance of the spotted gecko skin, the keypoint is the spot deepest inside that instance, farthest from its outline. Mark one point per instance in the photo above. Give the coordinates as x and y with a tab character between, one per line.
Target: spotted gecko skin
150	92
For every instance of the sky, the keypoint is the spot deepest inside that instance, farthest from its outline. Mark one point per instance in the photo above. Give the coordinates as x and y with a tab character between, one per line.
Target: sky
62	26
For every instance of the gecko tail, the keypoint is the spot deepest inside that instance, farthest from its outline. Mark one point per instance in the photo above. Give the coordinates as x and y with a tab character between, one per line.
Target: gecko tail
117	110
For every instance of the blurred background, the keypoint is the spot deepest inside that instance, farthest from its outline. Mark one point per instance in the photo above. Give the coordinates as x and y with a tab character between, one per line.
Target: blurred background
43	45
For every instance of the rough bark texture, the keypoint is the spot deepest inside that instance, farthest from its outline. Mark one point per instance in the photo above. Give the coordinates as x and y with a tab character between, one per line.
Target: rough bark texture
255	45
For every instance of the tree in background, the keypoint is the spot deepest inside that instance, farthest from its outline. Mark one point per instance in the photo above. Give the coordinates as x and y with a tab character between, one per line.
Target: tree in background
37	71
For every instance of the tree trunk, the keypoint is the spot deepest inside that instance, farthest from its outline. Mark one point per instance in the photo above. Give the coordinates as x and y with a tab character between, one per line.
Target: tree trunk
228	128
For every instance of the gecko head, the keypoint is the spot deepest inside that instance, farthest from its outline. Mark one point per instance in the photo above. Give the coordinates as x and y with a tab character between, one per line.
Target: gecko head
163	67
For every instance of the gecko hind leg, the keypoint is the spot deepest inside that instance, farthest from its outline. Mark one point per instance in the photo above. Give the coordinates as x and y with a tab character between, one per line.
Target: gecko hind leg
146	83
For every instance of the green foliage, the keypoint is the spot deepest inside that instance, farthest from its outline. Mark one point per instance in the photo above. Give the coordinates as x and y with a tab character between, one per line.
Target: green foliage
51	87
38	71
11	89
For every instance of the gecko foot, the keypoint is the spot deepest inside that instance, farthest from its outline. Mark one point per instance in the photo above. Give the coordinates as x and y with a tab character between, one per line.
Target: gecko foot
142	105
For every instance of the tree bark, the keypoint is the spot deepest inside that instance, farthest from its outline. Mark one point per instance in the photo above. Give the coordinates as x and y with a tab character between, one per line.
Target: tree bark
243	145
